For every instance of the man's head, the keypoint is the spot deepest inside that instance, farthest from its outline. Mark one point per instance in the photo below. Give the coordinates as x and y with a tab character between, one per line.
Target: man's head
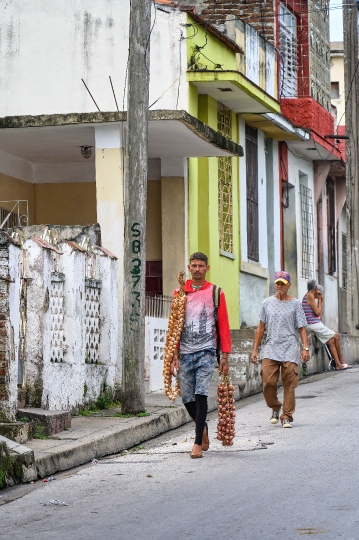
319	291
198	266
312	285
282	282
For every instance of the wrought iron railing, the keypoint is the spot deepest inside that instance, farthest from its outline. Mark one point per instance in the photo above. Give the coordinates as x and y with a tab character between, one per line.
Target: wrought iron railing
14	217
158	306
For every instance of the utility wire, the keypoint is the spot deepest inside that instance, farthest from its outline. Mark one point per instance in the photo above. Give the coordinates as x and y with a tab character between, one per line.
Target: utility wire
114	95
98	108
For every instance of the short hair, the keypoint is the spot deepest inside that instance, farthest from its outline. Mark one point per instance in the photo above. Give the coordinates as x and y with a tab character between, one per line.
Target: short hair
320	288
199	256
312	284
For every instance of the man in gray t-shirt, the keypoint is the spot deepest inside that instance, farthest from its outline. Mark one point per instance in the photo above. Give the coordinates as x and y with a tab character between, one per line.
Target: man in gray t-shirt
284	318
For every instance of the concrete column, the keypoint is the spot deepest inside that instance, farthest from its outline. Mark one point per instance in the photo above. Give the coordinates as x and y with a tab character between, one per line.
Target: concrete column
173	231
109	162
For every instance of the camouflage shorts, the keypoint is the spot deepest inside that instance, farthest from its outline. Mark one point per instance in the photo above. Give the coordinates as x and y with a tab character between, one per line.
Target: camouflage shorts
195	373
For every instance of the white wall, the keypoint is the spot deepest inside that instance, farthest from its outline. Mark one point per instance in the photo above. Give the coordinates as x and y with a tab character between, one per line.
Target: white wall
297	166
47	47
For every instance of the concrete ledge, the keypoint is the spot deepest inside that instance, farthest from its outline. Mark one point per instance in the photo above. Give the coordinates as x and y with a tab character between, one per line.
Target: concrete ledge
16	431
254	270
52	421
20	462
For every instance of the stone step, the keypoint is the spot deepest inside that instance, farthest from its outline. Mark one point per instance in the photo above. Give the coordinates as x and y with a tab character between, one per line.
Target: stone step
17	463
45	422
20	432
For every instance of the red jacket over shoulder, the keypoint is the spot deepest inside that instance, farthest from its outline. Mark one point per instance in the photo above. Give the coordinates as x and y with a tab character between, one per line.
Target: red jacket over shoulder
199	331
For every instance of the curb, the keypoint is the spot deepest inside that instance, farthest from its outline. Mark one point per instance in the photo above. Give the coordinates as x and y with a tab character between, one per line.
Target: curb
79	453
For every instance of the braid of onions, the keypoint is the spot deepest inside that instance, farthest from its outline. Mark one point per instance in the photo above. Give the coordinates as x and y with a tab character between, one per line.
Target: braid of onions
226	412
175	327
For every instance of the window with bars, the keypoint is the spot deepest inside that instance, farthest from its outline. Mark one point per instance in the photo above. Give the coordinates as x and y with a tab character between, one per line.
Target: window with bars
12	220
225	206
332	266
344	262
307	232
252	193
288	52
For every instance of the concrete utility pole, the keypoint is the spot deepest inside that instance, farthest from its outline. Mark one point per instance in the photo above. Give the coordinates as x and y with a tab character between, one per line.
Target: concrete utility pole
351	72
133	399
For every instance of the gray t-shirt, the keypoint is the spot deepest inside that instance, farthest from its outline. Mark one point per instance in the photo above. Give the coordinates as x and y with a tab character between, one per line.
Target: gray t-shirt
282	320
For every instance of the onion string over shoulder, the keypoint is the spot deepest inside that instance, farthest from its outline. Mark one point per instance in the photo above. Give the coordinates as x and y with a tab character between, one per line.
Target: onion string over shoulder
175	327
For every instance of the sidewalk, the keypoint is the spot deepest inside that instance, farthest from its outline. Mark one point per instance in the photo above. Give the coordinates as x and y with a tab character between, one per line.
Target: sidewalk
101	434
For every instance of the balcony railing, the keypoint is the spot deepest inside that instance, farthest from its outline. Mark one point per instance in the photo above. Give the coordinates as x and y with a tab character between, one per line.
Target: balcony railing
158	306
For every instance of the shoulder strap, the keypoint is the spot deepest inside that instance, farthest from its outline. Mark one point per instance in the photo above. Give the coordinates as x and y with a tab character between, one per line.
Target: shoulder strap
216	302
216	296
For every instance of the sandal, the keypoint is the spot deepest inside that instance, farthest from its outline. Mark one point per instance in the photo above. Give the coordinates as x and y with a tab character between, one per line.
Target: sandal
342	368
205	439
346	366
196	455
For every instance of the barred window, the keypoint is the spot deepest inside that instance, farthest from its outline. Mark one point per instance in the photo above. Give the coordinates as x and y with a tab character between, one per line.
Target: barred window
344	261
288	52
331	226
225	207
252	193
307	232
224	121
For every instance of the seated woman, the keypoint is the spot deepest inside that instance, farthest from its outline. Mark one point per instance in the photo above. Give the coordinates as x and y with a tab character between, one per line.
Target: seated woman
312	304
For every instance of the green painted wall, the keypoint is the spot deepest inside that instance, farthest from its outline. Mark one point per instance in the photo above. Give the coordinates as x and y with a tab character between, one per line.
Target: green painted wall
203	213
205	51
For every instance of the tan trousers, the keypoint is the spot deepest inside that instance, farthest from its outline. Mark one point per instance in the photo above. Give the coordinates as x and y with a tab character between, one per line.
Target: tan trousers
270	376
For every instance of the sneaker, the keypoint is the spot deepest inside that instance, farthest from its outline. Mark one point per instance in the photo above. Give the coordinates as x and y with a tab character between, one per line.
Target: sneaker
275	417
286	423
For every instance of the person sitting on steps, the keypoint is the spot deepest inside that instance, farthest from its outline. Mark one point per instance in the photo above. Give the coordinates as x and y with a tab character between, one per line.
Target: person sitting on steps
313	303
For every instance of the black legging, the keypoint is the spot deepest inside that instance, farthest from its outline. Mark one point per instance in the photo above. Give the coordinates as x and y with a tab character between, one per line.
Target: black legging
198	412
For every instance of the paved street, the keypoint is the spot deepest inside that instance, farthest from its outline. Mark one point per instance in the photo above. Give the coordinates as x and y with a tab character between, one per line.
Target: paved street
272	484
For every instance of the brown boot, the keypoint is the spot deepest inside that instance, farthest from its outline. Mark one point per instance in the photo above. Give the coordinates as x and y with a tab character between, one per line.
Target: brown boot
205	439
196	451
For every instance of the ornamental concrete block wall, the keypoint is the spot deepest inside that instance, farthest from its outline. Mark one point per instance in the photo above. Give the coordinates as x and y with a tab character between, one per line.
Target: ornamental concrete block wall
69	327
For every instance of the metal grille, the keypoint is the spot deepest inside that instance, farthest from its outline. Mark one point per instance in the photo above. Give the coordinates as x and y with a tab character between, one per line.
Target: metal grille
344	262
307	232
92	321
224	126
14	218
57	320
288	52
224	121
331	226
319	52
252	193
158	306
225	204
11	221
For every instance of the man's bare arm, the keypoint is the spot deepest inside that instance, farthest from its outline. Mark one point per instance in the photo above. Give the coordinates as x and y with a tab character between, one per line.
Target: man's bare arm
313	304
304	337
257	341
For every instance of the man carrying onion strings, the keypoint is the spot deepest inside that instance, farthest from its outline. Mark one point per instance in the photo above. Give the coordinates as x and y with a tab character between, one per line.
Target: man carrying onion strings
194	358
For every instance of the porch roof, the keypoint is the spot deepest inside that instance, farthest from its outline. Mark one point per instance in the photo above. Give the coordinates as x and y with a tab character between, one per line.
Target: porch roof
234	90
57	138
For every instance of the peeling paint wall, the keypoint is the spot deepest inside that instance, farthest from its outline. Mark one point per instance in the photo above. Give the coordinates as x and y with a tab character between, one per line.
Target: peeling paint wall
47	47
8	328
59	373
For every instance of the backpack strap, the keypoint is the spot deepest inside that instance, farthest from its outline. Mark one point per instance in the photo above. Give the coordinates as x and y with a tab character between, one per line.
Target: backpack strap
216	302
